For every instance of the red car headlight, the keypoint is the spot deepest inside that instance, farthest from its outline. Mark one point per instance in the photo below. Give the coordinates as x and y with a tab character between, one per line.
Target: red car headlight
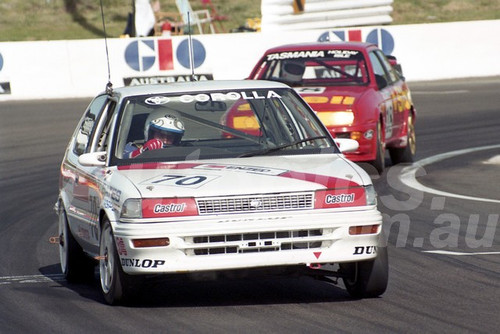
336	118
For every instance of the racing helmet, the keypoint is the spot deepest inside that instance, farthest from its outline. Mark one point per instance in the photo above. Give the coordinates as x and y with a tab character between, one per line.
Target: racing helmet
292	71
167	125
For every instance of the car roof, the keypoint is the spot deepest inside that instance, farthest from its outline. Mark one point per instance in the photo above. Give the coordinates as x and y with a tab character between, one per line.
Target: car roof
321	46
197	86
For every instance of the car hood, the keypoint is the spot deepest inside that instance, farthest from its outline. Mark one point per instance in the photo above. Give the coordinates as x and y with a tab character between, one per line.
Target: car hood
244	176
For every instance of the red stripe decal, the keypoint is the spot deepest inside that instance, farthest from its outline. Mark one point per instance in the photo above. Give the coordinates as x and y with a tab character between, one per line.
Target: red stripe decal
157	165
327	181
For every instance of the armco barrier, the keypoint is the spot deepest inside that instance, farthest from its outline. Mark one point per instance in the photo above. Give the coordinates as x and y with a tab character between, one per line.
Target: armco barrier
67	69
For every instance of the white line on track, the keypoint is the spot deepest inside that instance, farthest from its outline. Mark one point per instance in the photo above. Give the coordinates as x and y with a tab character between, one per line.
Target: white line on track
446	92
493	160
443	252
408	174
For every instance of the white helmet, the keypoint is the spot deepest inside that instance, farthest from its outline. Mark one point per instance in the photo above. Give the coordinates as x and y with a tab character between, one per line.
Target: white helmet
167	125
292	71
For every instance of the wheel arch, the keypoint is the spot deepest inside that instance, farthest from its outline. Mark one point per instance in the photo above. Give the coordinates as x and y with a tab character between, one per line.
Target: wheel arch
107	213
410	112
381	119
62	202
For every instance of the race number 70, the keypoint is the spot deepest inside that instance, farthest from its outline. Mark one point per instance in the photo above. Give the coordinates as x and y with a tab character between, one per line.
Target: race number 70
182	180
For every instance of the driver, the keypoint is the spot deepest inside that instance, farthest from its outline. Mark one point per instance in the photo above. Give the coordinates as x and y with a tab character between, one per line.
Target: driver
159	133
292	71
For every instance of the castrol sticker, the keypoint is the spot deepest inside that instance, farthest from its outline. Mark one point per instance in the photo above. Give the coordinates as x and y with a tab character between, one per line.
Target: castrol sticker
168	207
337	198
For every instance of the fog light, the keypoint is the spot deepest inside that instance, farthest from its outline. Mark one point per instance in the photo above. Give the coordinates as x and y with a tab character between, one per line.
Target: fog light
368	134
367	229
155	242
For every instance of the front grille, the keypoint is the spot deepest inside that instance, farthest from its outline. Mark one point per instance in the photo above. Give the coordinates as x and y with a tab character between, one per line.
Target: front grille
257	242
268	203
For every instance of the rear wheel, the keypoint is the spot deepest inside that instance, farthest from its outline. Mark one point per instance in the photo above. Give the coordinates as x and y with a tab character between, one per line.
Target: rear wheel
75	265
114	281
379	162
407	153
367	279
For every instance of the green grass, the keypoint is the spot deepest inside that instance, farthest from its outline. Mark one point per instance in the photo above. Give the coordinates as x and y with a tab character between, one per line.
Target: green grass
430	11
31	20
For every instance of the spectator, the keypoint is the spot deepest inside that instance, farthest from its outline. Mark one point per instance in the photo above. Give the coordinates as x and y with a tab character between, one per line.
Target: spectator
144	18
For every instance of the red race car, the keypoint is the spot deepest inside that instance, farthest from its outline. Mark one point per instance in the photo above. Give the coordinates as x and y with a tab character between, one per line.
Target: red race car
356	91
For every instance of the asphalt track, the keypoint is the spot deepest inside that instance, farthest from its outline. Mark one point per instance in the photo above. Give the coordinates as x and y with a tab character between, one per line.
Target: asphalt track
444	249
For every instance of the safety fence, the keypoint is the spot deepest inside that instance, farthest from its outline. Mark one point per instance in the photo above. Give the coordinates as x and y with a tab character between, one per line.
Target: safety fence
280	15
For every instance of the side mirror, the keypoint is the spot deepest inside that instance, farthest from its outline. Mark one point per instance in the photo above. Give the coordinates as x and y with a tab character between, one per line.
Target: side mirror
346	145
94	159
394	63
392	60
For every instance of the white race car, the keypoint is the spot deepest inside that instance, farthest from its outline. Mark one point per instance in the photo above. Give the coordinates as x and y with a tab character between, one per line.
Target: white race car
214	177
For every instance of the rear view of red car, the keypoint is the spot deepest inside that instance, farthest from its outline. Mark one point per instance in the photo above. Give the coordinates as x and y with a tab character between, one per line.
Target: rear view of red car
356	91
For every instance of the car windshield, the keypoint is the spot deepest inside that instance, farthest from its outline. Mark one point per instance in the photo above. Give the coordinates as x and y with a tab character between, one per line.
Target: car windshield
217	124
315	67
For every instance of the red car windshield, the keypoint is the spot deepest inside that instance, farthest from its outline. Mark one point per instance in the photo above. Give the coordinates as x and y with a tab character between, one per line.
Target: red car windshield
315	67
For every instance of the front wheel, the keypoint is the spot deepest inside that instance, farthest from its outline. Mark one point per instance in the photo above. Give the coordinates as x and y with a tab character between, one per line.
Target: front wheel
367	279
114	282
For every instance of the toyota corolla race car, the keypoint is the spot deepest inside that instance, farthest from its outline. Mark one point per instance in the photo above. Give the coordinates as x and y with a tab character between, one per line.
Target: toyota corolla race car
356	91
153	182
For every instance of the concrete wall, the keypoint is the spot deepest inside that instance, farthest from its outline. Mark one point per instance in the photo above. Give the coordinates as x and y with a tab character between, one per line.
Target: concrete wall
78	68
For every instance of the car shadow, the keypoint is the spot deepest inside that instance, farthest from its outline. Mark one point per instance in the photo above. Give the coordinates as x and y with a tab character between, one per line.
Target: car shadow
177	291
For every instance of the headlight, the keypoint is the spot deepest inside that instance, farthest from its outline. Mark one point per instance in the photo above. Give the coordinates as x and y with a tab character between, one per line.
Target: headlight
336	118
371	195
132	208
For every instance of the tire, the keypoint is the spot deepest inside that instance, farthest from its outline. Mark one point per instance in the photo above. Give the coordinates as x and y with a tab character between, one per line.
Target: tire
367	279
75	265
407	153
115	283
379	162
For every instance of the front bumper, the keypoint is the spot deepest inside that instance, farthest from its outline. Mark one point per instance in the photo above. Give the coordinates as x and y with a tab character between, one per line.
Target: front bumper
366	136
225	242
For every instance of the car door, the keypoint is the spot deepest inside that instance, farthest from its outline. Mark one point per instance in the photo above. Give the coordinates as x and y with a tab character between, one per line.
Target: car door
395	96
83	188
398	94
386	106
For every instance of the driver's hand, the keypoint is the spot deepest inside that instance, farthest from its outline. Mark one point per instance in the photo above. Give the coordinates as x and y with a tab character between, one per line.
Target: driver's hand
152	144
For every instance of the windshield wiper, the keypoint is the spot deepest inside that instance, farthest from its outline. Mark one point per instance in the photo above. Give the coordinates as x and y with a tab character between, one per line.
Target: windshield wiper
277	148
